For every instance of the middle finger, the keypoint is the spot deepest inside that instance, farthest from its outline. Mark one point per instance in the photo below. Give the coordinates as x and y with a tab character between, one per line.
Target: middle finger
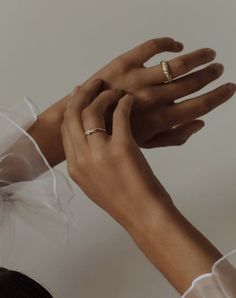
193	108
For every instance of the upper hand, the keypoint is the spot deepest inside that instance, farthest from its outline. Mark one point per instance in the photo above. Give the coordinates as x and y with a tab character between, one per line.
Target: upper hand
156	114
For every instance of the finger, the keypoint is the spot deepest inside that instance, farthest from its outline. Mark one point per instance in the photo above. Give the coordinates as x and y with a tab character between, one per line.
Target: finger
167	93
175	136
179	66
140	54
93	115
191	83
121	130
190	109
81	97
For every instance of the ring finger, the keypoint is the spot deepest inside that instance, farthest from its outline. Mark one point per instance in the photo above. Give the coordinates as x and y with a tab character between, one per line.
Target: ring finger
179	66
93	115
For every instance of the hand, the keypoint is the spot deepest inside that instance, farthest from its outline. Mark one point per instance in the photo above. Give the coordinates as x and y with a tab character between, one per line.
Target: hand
110	169
155	112
113	172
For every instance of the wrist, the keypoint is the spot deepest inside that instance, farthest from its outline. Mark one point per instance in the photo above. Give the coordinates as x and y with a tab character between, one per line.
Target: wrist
155	213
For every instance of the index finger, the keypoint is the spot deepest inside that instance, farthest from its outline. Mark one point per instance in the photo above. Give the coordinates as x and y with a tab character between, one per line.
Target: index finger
140	54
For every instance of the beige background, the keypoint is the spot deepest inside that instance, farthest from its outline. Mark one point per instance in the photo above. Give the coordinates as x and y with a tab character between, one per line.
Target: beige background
49	46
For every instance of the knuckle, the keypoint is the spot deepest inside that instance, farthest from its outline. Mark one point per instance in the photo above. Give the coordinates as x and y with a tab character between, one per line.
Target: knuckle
146	94
109	93
150	97
88	112
84	90
183	63
120	111
128	97
119	64
89	87
197	82
67	114
84	114
134	79
63	128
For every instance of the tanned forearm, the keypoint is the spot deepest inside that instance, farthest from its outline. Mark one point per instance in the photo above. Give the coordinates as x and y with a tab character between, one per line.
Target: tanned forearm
46	131
175	247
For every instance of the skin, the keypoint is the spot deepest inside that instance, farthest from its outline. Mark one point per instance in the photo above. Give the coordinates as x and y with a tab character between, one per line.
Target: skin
113	172
157	119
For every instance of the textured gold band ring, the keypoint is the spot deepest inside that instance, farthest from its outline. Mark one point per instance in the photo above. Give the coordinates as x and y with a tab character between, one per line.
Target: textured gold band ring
97	129
167	71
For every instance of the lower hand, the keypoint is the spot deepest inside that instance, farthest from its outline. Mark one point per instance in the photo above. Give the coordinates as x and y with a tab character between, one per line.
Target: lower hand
110	169
113	172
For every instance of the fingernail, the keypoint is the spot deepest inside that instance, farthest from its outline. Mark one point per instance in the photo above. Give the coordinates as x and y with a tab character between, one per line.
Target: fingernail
219	68
121	92
212	53
232	87
179	45
199	127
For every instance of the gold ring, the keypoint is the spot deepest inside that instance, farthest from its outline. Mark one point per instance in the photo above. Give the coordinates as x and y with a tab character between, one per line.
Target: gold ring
167	71
97	129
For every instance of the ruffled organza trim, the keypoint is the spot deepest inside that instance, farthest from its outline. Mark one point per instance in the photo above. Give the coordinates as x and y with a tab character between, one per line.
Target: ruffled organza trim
30	190
220	283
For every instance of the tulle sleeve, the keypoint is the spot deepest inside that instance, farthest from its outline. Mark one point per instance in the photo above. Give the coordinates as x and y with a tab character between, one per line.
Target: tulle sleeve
30	190
220	283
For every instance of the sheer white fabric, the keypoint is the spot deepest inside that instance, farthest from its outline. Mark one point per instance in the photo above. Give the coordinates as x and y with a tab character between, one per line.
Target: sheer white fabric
30	190
220	283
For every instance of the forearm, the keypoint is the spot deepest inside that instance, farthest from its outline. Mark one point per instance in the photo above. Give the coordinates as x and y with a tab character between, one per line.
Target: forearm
175	246
46	131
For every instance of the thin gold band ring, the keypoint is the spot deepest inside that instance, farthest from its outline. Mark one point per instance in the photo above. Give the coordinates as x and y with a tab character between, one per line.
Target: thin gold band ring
97	129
